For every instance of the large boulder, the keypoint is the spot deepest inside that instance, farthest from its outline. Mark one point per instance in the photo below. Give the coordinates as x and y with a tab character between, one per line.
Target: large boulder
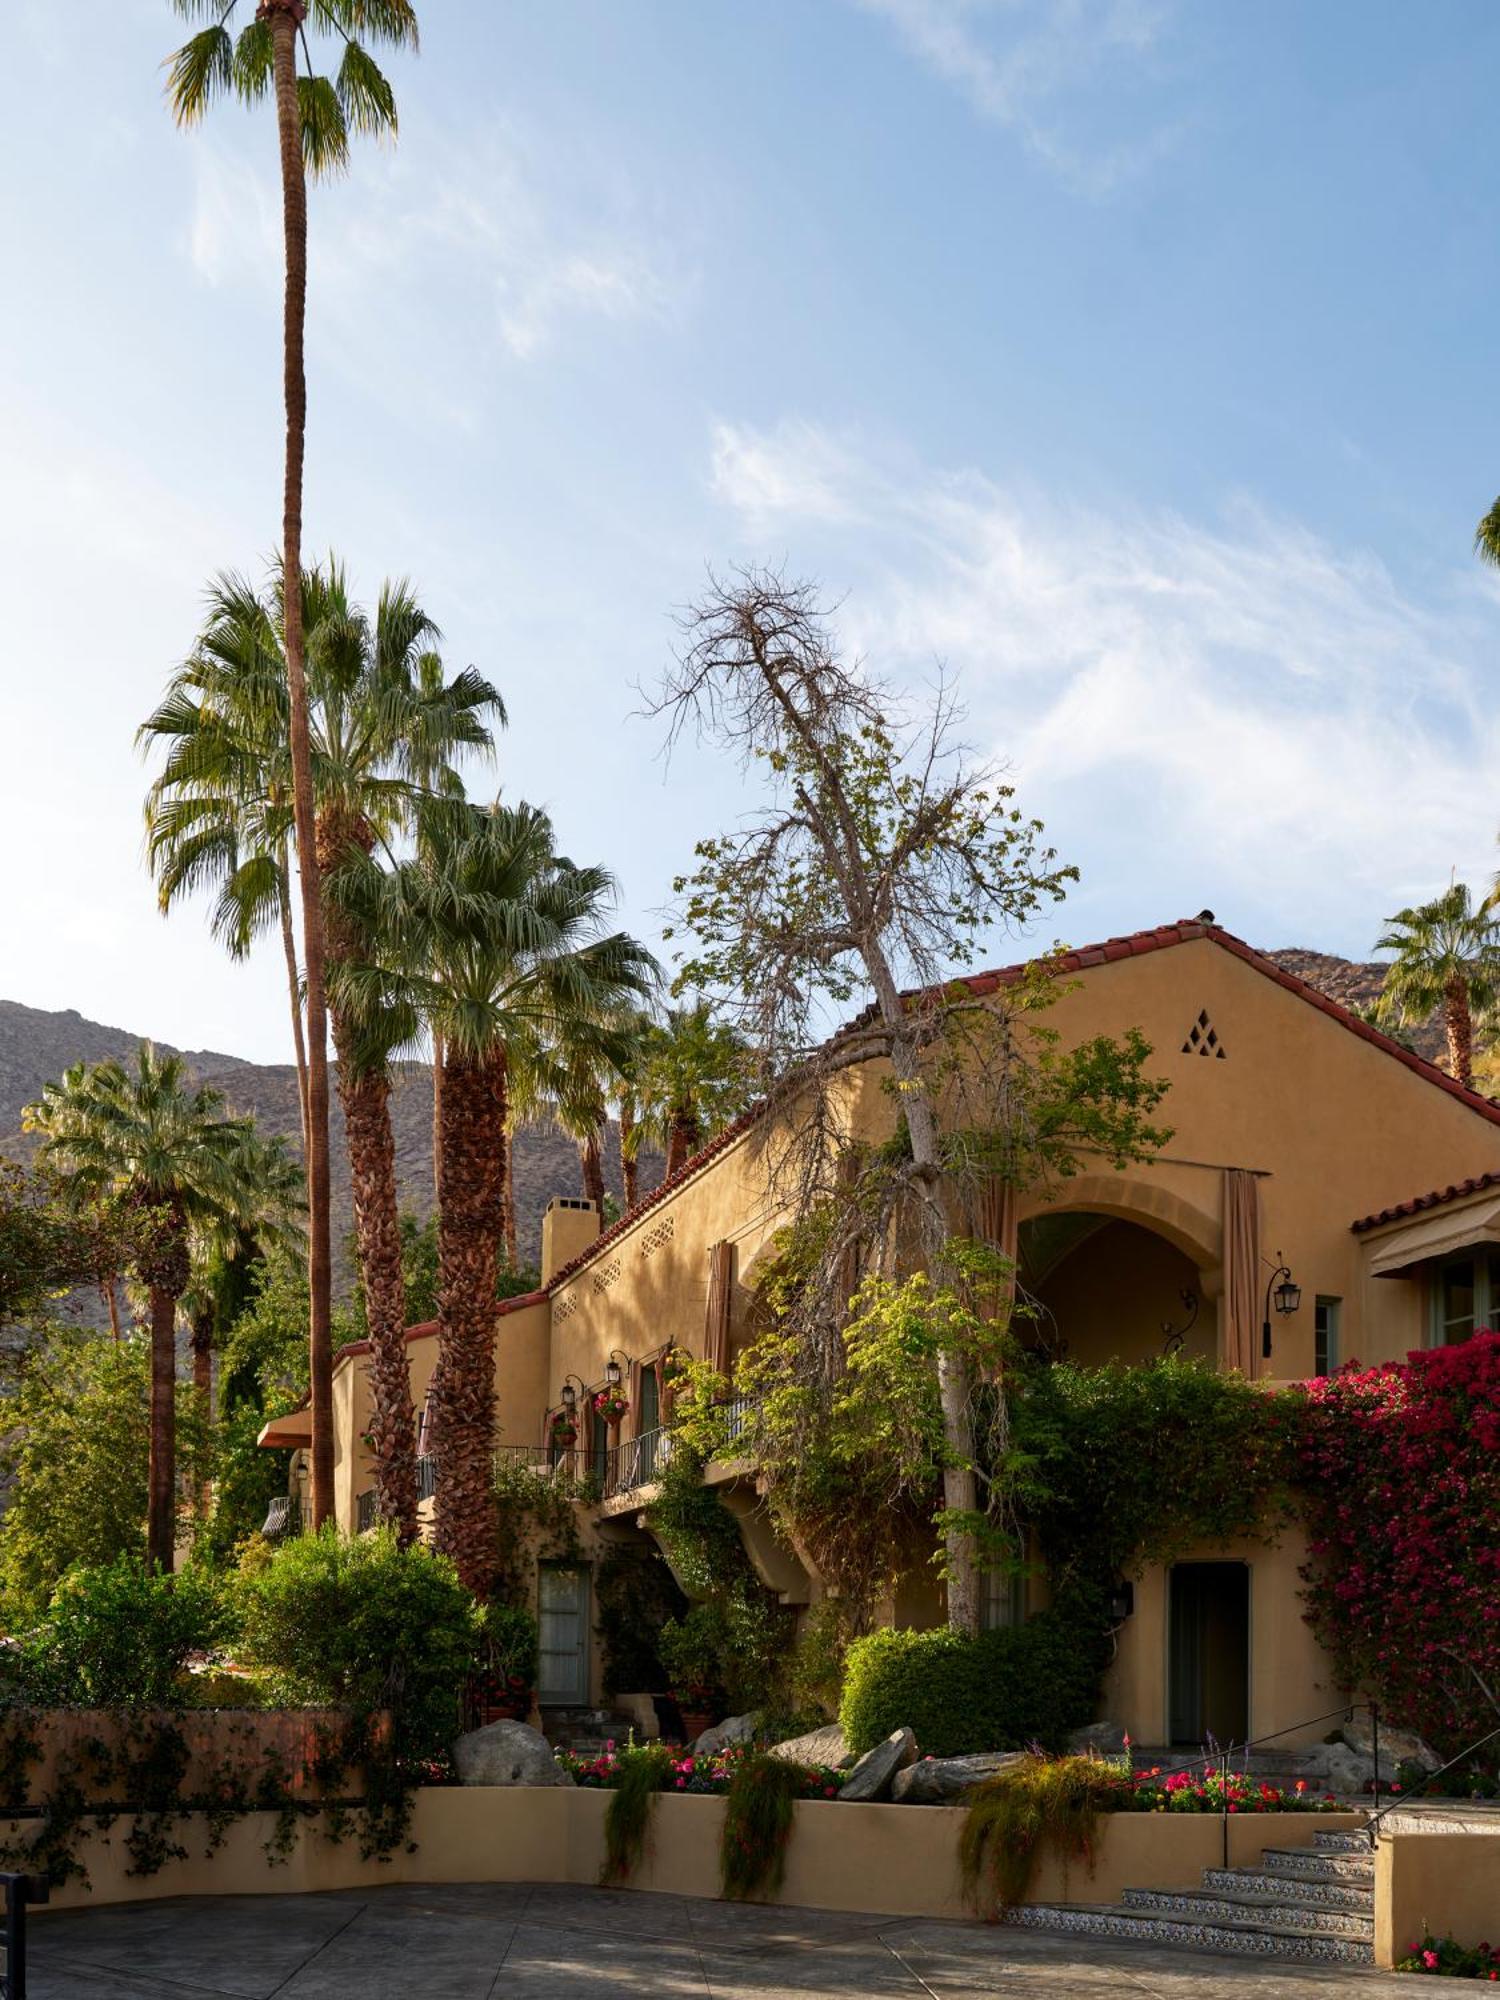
728	1734
820	1746
1397	1746
1099	1739
943	1781
872	1776
1347	1772
507	1753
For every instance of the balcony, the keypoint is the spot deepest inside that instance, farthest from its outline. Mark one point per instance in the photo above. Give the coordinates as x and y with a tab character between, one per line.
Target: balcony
284	1517
366	1513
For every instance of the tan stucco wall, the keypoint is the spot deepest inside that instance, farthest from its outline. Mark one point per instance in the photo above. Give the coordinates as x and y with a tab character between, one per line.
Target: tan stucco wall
1290	1679
1110	1298
898	1859
1446	1883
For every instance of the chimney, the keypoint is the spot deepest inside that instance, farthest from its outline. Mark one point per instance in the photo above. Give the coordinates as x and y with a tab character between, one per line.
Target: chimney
568	1228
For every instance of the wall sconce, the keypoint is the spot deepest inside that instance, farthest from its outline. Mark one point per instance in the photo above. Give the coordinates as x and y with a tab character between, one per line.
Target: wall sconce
614	1368
1287	1294
570	1393
1121	1601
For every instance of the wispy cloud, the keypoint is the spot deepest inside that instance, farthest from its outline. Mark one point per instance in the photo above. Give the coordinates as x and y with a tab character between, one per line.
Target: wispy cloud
1045	70
484	226
1235	709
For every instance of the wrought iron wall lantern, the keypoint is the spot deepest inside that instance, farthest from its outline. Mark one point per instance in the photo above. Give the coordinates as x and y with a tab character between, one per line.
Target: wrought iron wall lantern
614	1368
1286	1294
571	1389
1174	1336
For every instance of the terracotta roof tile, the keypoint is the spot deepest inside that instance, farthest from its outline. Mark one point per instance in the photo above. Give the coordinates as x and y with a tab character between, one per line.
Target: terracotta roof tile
1419	1204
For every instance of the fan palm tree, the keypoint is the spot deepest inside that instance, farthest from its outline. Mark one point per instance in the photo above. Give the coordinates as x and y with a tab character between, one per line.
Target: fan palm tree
574	1076
497	941
385	723
1447	955
314	117
229	1244
168	1150
691	1078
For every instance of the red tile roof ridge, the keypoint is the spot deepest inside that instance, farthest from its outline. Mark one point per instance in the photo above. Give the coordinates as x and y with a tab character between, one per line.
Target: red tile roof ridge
1420	1203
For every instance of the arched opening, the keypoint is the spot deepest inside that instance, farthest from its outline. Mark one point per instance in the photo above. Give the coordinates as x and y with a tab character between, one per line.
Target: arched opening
1101	1288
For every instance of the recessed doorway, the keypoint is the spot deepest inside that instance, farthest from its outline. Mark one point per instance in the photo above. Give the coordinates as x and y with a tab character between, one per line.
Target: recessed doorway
1209	1653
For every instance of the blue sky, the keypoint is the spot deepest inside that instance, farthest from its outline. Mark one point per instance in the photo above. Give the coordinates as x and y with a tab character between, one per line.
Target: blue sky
1136	358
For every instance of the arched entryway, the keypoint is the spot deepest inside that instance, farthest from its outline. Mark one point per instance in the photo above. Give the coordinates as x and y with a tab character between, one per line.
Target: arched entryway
1100	1287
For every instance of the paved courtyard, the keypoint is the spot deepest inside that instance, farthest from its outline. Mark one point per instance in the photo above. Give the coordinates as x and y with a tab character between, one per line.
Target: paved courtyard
548	1943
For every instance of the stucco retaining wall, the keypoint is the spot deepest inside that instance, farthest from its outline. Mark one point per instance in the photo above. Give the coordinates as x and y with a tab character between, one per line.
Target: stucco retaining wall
898	1859
1448	1883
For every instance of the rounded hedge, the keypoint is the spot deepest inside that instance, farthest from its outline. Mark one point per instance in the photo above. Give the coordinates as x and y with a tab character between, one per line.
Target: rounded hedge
1004	1690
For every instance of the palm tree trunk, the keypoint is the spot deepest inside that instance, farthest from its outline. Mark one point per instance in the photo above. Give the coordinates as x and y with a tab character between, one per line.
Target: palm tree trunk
294	994
591	1161
372	1171
1459	1024
202	1342
462	1408
683	1138
161	1502
630	1166
285	17
437	1117
107	1287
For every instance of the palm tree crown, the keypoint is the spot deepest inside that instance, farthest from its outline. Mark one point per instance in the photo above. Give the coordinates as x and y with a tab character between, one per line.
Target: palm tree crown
356	98
1447	955
692	1076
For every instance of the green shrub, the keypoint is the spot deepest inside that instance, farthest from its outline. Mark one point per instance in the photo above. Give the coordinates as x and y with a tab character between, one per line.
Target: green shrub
759	1815
363	1624
641	1772
1004	1690
118	1635
1011	1815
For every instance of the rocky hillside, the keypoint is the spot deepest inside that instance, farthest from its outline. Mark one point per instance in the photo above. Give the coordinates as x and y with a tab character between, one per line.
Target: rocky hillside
36	1045
1357	987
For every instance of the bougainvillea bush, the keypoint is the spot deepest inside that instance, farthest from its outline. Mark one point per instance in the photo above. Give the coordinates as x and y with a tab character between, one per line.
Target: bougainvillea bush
1399	1482
684	1772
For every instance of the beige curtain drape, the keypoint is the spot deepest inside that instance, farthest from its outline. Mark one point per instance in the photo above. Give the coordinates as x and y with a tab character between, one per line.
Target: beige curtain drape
720	1296
1241	1270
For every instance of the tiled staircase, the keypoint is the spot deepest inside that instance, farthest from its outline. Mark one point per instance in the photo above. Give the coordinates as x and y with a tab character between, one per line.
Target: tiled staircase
1313	1902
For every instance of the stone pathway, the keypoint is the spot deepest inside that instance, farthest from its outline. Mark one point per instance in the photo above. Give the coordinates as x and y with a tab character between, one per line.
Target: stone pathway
515	1942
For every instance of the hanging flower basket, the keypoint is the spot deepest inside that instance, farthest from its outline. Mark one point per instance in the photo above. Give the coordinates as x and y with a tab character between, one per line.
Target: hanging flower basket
613	1405
564	1433
674	1367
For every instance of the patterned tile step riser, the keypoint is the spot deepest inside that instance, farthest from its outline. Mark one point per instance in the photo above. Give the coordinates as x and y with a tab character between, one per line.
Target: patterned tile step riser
1326	1867
1343	1843
1244	1881
1194	1937
1282	1916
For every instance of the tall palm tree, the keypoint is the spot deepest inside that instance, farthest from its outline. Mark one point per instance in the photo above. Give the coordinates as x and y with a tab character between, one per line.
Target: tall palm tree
229	1243
385	723
314	116
691	1079
1447	955
498	942
143	1134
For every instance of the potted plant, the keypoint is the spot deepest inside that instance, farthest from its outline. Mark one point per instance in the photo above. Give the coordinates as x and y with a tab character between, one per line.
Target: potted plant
501	1685
613	1405
564	1431
691	1648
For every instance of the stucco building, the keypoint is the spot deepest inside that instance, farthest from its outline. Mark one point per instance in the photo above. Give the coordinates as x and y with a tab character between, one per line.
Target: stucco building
1308	1153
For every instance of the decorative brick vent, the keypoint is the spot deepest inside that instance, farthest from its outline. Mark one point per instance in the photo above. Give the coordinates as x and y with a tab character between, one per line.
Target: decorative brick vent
565	1308
602	1280
657	1238
1203	1039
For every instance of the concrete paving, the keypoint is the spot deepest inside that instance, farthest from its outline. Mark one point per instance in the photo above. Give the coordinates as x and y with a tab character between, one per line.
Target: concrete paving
517	1942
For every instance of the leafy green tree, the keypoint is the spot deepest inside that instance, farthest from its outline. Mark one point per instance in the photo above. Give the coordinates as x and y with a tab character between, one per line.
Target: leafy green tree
144	1137
878	865
119	1635
49	1245
315	115
1447	955
76	1459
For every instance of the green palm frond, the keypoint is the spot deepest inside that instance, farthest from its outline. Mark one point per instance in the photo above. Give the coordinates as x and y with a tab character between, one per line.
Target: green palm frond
365	95
254	62
201	70
1487	535
1436	947
325	136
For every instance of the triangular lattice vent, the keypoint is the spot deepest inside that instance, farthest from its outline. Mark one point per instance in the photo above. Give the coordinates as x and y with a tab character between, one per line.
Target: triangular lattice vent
1203	1039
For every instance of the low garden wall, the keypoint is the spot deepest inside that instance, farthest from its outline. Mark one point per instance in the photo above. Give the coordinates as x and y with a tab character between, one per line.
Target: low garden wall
897	1859
87	1747
1447	1884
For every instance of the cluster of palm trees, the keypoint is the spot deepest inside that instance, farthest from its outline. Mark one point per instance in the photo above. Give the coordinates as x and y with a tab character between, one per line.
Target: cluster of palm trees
201	1196
1446	961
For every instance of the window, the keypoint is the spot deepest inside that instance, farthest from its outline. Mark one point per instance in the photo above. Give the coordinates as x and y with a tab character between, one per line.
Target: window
1465	1295
1003	1601
1326	1336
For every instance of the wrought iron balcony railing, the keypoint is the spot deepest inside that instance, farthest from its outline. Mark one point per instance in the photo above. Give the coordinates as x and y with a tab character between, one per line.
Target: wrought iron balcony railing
284	1517
365	1515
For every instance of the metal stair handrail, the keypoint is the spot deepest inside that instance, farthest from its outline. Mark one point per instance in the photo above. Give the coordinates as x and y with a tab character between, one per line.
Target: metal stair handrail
1396	1804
